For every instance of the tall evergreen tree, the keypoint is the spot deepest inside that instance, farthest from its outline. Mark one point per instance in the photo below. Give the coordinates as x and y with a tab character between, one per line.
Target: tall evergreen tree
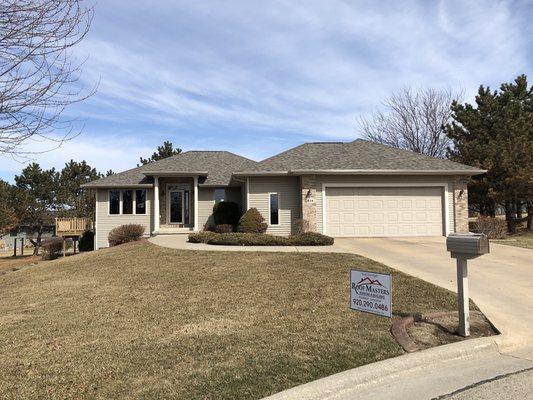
496	134
8	218
75	200
164	151
35	199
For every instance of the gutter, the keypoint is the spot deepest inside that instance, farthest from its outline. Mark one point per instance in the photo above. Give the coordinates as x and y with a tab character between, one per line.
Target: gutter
117	186
363	172
177	173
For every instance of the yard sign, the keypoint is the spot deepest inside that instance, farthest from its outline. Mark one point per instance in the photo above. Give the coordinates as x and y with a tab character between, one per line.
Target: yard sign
371	292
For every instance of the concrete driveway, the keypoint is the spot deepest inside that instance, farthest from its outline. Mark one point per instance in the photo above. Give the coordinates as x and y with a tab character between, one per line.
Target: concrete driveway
501	283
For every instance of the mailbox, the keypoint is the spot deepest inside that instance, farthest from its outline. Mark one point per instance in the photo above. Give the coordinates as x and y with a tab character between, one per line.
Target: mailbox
467	245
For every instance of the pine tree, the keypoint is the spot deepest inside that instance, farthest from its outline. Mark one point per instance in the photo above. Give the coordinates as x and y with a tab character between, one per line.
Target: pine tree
164	151
496	134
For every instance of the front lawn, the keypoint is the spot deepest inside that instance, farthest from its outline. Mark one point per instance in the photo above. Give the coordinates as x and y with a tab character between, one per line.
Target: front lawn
142	321
523	238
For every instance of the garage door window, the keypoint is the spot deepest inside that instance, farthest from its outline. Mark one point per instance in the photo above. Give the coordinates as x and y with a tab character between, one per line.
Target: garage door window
273	209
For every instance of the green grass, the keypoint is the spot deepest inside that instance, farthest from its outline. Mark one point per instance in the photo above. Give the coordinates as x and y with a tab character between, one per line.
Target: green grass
522	239
141	321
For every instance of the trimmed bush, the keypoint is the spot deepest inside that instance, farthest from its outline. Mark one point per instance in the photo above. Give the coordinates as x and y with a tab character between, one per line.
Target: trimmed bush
52	248
124	234
248	239
201	237
300	225
226	213
311	239
86	241
224	228
252	222
494	228
260	239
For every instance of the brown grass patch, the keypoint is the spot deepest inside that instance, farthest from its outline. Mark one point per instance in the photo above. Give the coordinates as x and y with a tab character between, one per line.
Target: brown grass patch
140	320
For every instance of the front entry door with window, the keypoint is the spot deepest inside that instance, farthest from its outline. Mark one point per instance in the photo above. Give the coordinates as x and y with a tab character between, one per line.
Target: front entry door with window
175	206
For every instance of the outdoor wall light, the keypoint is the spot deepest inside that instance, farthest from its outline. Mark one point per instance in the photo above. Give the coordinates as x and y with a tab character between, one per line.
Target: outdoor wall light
461	192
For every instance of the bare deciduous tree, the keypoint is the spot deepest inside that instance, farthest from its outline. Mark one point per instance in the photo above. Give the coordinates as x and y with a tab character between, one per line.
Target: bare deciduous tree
413	120
38	79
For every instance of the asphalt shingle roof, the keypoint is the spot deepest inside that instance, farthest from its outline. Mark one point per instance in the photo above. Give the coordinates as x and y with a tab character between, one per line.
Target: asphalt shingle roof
357	155
219	166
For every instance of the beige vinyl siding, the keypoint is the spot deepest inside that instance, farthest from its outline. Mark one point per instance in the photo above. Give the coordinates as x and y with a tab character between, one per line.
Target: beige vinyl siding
288	189
206	201
105	222
346	179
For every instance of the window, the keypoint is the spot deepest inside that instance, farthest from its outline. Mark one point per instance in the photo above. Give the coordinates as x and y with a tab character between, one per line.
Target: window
186	207
140	201
127	202
114	202
220	195
274	209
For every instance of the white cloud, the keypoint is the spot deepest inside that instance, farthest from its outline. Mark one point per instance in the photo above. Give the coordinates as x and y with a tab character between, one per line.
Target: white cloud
272	74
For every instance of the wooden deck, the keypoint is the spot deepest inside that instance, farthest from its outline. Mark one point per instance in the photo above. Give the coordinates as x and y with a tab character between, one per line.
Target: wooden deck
69	227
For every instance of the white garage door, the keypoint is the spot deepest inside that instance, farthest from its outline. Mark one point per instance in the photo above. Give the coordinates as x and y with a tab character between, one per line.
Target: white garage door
384	211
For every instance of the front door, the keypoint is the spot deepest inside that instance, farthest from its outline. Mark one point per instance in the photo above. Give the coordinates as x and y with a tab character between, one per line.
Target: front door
175	207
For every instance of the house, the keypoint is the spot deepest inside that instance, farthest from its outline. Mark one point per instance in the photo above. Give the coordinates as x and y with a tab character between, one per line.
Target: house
353	189
7	240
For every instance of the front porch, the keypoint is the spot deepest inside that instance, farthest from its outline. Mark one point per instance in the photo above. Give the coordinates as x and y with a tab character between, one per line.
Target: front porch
175	205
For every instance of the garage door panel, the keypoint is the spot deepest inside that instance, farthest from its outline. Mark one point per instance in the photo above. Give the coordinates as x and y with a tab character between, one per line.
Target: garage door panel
385	211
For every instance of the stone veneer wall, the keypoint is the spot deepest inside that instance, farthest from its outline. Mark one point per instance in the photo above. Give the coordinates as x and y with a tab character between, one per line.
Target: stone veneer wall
460	200
308	189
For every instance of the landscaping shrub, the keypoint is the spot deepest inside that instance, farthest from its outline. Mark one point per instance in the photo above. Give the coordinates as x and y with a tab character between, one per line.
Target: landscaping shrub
252	222
200	237
260	239
494	228
311	239
300	225
248	239
223	228
52	248
86	241
125	233
226	213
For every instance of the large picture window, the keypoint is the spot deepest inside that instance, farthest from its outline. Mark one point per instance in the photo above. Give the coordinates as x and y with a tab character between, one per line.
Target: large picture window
274	209
114	202
127	202
140	201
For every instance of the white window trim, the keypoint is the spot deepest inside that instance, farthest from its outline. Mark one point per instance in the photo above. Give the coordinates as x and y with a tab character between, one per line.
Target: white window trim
444	185
279	209
120	199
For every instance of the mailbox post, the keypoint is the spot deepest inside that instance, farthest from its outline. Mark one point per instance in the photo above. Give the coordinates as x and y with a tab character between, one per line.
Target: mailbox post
465	246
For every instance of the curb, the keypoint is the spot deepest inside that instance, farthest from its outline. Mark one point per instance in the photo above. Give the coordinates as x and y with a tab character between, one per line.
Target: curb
332	386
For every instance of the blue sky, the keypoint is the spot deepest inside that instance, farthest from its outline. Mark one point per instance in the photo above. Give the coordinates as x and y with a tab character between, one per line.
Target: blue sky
257	78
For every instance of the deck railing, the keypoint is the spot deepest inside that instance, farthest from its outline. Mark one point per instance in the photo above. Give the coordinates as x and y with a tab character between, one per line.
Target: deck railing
72	226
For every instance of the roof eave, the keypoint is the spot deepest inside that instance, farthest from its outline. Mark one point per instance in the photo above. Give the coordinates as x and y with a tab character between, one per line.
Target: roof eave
177	173
117	185
465	172
389	171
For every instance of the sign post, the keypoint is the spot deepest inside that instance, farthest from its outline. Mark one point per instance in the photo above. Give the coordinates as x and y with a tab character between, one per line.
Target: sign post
371	292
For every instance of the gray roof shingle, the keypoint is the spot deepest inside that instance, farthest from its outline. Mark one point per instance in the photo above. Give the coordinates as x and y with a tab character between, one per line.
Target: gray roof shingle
219	166
357	155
